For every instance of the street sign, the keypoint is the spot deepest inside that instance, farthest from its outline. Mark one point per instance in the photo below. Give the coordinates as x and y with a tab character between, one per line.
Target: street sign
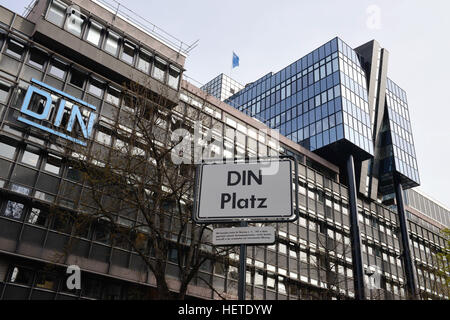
243	235
251	191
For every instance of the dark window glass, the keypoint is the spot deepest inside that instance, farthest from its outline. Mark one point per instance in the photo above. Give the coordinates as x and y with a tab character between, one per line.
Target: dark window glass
5	166
62	222
21	275
73	174
77	78
37	58
101	232
46	281
38	217
15	48
91	288
47	183
4	91
23	175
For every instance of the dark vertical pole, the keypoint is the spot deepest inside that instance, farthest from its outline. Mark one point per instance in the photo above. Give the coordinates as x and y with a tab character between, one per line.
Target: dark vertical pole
355	238
404	234
242	267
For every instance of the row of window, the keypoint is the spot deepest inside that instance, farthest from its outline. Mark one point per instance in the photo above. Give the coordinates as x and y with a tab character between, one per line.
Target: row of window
44	285
312	81
111	42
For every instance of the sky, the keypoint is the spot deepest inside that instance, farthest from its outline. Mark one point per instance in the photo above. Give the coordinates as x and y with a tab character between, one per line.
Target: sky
268	35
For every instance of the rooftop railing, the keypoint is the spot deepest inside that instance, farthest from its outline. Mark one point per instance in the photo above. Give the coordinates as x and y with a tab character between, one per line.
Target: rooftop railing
148	27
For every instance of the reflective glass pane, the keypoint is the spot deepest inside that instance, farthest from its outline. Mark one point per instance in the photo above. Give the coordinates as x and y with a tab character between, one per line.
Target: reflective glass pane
74	22
57	13
112	43
128	53
94	33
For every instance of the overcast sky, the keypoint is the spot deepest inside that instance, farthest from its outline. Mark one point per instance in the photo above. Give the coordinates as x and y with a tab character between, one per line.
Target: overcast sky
269	35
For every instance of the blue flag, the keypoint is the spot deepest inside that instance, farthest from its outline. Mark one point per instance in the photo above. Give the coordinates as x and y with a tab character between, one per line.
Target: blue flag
235	60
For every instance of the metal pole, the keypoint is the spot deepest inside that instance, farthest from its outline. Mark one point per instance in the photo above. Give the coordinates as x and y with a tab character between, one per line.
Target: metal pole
355	238
242	267
406	252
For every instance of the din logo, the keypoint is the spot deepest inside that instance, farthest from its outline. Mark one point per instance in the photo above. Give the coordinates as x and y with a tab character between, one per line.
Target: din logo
40	111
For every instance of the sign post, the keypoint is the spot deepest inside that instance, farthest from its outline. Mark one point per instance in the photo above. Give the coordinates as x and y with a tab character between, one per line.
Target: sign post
258	190
242	267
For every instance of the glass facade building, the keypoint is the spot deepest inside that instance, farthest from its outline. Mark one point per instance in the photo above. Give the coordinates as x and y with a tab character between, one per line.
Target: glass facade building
322	102
312	257
404	155
222	87
316	101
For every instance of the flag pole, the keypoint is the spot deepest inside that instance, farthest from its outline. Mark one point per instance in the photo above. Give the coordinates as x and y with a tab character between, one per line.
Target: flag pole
231	67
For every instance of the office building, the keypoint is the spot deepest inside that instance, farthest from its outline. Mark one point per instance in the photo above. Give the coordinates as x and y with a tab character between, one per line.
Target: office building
222	87
78	54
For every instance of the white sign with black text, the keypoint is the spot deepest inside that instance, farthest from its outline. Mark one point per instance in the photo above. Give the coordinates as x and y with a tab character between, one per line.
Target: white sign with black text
234	191
243	235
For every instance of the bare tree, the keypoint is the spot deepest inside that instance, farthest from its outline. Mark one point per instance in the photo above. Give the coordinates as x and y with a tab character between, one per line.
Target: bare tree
331	256
136	176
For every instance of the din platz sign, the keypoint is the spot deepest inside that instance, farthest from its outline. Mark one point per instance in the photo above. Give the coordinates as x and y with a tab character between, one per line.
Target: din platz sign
254	191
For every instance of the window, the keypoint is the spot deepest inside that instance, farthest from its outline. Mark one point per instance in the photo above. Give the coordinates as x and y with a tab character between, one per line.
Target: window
112	43
37	58
4	91
56	13
143	63
38	217
13	210
46	281
20	189
94	33
30	158
96	88
74	22
53	164
112	96
174	77
103	138
21	275
128	53
73	174
101	232
159	69
91	288
58	69
259	278
15	48
77	78
270	282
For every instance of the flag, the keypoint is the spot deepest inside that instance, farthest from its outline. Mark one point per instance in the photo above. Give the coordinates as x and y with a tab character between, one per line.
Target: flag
235	60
